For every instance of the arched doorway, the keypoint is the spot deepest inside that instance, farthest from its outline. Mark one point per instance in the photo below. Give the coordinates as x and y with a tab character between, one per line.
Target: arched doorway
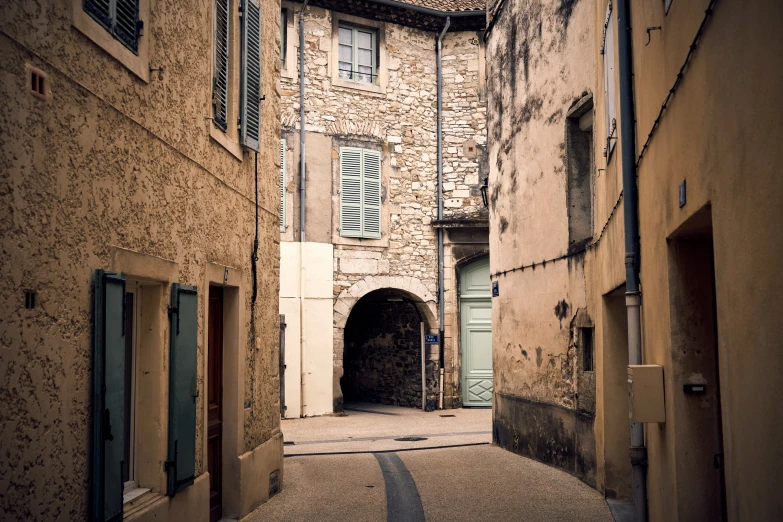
476	334
382	358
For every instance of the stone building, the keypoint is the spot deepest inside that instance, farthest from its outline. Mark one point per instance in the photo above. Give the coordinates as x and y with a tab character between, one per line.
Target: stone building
360	274
680	155
139	337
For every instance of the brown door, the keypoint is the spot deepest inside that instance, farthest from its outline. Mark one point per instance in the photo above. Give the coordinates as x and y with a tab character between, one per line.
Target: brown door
215	404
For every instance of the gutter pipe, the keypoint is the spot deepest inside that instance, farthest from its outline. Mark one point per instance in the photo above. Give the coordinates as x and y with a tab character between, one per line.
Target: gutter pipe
633	296
438	52
302	213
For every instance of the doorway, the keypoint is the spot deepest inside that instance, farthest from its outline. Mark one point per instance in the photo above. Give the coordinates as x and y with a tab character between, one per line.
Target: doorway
215	403
696	386
476	334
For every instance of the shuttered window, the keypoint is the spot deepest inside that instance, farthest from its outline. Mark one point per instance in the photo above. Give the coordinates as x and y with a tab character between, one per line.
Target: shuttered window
358	51
360	193
183	390
119	17
282	184
250	119
220	67
108	396
610	97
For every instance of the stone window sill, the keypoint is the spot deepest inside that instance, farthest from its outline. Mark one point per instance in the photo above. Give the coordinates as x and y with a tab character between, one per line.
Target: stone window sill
360	87
225	141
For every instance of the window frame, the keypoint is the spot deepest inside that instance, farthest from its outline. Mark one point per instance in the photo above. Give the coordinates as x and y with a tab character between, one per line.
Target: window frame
363	234
355	48
228	138
379	87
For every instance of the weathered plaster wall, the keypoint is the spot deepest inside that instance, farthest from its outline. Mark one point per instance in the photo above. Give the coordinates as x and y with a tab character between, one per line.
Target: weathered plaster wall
540	64
109	162
397	118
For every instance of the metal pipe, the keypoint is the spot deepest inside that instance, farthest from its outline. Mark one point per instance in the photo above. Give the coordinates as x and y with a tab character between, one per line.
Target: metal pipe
638	451
423	371
438	58
302	372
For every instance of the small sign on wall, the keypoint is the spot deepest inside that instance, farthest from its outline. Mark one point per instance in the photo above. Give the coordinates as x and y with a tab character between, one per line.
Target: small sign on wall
431	339
495	289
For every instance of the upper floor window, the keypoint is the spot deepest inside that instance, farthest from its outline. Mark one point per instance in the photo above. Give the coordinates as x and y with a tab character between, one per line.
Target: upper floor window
119	17
283	36
221	63
358	50
360	193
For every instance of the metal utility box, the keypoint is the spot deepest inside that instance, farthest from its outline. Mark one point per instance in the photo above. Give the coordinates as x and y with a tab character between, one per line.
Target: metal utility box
645	388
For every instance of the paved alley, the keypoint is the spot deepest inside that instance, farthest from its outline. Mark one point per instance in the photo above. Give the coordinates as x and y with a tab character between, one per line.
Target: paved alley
352	468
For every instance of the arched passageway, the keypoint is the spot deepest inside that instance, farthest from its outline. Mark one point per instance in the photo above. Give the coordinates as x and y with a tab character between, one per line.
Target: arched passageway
382	355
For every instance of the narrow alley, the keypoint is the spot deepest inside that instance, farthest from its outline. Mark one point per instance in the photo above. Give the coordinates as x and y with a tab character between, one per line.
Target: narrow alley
399	464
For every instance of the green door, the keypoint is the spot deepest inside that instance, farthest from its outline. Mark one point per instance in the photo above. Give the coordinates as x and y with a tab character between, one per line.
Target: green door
476	334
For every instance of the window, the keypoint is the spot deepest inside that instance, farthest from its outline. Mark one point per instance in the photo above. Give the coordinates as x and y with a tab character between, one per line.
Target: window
118	17
588	354
579	170
220	67
283	36
610	98
360	193
357	54
282	184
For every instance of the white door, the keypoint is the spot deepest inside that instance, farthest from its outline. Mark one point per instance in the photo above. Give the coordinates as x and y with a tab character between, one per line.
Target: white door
476	334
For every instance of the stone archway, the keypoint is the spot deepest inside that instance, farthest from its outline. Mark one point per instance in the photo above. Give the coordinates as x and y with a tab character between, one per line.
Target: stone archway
409	287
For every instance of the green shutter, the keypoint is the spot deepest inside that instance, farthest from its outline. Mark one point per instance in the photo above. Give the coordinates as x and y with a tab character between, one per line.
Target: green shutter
251	75
108	396
220	66
183	391
350	192
371	194
282	184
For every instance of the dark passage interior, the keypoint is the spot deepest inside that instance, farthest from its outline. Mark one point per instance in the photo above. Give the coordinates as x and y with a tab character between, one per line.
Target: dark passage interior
382	357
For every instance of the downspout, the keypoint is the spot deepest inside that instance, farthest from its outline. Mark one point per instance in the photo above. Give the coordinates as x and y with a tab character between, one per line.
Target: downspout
633	296
301	209
438	53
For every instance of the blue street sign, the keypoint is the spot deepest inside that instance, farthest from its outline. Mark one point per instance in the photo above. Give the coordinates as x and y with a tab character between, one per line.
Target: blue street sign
431	339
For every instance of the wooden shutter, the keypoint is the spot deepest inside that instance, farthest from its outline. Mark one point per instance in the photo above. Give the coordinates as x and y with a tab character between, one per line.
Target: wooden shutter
220	73
371	194
610	98
251	74
108	401
183	391
282	184
350	192
126	23
100	10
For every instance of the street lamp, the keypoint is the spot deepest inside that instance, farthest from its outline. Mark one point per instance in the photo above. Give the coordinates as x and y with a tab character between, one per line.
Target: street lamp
484	192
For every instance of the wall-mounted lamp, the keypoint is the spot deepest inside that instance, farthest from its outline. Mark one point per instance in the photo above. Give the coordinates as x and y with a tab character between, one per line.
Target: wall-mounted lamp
485	192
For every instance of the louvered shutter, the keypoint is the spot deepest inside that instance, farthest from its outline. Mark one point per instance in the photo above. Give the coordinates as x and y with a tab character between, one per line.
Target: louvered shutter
108	402
220	78
126	23
350	192
100	10
371	194
251	74
282	184
183	390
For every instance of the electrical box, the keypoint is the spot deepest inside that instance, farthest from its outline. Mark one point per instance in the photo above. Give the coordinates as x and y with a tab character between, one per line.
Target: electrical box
645	388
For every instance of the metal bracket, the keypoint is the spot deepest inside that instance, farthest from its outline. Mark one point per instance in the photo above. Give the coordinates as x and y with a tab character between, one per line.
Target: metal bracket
650	29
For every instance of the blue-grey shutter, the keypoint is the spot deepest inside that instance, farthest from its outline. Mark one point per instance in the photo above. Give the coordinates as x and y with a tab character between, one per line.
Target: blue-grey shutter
126	23
282	184
108	396
350	192
183	391
220	72
251	74
100	10
371	194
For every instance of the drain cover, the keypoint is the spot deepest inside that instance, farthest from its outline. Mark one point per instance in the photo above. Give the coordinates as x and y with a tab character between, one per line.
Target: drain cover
410	439
448	415
289	443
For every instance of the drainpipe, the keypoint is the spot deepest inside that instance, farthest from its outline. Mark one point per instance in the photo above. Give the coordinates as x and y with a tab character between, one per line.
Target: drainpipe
302	209
438	53
633	296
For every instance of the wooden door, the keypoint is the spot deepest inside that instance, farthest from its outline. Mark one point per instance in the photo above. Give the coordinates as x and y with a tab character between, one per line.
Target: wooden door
215	404
476	334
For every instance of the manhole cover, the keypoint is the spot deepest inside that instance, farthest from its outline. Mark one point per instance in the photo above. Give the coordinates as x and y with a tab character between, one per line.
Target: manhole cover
410	439
448	415
289	443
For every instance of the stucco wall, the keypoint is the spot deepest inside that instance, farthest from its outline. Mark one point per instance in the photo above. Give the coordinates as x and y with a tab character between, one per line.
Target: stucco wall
111	161
540	64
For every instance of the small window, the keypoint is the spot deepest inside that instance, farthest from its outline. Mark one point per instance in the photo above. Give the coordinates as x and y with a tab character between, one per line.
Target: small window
610	96
283	36
358	49
588	353
579	170
118	17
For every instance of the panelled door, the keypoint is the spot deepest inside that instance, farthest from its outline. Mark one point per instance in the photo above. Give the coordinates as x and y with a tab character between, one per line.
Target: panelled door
476	334
215	403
